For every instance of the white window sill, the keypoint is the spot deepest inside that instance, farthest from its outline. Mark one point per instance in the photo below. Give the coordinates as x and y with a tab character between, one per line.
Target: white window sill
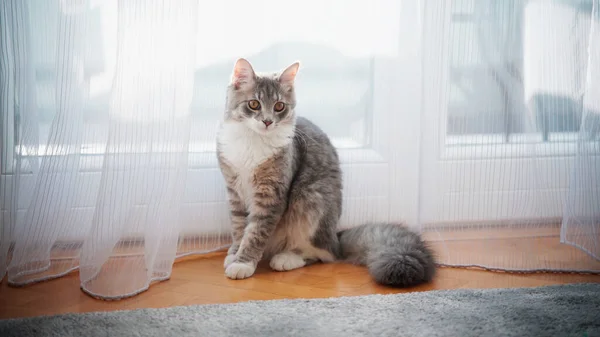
202	155
490	146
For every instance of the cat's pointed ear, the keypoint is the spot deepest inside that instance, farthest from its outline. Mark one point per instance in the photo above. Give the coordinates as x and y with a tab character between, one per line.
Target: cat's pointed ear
243	73
288	76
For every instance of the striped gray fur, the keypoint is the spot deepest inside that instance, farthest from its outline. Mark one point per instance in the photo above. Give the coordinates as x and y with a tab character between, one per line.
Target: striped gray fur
284	185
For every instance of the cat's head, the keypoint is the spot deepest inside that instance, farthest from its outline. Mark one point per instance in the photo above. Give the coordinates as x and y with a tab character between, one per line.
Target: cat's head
264	103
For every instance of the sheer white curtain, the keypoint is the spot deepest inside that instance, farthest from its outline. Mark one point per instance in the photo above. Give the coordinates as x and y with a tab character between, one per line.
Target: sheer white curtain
510	143
476	122
581	223
510	174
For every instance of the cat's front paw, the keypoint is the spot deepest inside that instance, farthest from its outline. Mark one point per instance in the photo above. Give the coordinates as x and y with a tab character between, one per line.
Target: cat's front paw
239	271
228	260
287	261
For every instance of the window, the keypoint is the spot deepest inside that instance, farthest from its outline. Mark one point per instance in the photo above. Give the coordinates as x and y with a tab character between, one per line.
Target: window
346	85
335	85
505	108
502	94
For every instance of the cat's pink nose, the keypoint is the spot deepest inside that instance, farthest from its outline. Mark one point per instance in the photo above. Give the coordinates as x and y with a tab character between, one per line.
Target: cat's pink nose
267	122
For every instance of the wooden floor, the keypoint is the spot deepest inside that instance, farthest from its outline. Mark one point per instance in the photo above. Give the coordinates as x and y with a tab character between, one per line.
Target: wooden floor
200	280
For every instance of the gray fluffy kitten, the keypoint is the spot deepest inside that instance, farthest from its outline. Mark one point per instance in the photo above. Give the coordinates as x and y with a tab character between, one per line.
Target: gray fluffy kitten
284	186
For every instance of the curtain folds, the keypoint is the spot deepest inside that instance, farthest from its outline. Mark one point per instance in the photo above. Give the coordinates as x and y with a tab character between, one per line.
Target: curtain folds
109	111
581	221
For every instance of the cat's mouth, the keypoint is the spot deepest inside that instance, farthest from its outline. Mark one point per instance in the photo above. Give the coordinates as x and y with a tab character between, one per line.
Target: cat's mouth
264	128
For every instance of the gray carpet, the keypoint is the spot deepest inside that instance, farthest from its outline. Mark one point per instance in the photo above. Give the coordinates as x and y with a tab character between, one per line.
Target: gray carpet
570	310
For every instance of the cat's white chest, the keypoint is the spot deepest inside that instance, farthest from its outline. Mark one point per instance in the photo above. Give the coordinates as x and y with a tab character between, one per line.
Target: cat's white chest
245	151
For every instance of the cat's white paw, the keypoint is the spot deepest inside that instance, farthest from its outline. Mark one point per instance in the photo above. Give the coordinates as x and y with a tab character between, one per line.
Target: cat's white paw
228	260
238	271
287	261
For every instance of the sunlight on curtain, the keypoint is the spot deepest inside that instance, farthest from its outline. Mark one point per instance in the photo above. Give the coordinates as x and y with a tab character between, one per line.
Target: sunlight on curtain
475	122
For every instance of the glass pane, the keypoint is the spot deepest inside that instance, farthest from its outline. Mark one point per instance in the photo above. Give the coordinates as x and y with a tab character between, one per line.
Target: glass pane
334	86
333	91
485	58
517	67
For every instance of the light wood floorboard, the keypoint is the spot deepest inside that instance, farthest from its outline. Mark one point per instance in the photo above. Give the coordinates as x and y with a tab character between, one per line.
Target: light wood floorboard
200	280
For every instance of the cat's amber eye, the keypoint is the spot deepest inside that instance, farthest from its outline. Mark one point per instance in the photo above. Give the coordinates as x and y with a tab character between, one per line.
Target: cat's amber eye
254	104
279	106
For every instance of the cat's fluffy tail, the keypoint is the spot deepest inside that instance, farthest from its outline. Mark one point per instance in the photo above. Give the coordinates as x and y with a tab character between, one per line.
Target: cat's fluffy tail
393	254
